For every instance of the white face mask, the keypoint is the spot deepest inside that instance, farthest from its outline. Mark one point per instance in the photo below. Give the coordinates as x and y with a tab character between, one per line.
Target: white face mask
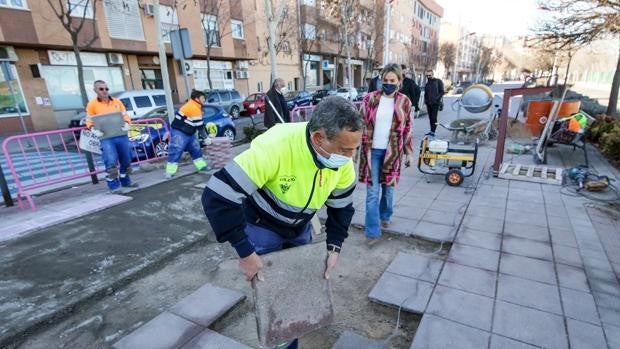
283	90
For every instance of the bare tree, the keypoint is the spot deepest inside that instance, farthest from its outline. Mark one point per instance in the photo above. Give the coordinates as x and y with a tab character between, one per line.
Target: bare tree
347	12
446	54
73	15
580	22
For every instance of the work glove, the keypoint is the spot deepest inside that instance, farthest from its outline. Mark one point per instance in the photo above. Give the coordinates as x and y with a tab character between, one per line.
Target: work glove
126	127
207	141
96	132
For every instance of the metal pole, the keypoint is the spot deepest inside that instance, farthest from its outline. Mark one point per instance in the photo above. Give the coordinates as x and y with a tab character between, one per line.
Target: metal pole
184	72
386	39
163	62
6	194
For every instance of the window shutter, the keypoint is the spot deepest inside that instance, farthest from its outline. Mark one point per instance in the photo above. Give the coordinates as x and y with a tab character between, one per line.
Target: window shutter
123	19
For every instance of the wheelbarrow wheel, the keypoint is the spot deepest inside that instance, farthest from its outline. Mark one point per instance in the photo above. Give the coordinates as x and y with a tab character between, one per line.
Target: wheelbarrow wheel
454	177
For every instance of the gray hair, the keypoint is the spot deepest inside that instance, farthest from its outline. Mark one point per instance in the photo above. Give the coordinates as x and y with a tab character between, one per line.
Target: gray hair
277	80
335	114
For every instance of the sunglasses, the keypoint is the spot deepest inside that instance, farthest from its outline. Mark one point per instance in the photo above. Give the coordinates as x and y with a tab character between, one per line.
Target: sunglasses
103	89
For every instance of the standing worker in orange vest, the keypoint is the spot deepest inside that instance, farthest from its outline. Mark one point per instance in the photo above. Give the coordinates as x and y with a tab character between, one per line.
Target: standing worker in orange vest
115	150
187	121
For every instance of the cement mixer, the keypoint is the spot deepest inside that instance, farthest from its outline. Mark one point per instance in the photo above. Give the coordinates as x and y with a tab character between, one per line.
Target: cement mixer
475	99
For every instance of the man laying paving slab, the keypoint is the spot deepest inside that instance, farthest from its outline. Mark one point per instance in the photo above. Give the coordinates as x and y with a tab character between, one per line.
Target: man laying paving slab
264	199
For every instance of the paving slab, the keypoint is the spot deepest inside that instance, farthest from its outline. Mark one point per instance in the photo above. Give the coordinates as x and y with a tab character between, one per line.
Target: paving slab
561	236
462	307
613	335
208	339
473	280
397	290
472	237
529	325
527	231
416	266
434	232
579	305
567	255
442	217
518	218
527	268
401	226
556	222
608	308
603	281
572	277
527	248
433	333
499	342
166	331
529	293
448	206
583	335
489	225
474	257
290	275
525	209
207	304
352	340
484	211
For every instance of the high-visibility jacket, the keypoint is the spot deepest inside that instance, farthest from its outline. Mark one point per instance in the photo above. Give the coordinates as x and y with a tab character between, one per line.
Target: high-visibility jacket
98	106
188	118
279	184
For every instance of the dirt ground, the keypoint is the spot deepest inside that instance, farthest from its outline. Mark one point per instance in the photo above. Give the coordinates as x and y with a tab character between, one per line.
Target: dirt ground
100	324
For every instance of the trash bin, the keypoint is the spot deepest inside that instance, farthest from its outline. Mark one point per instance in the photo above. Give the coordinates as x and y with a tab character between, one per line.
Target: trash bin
538	112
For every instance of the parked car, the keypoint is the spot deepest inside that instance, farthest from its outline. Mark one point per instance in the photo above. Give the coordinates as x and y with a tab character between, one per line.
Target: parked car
255	103
348	94
297	99
230	100
318	95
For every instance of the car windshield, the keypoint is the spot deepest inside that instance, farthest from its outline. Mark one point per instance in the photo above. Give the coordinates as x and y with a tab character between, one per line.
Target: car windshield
291	94
251	98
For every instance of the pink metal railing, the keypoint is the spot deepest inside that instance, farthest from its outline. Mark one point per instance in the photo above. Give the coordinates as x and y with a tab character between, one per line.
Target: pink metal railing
300	114
43	159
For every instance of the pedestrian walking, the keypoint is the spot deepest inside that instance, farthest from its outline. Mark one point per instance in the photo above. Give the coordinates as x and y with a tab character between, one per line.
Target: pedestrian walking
433	98
115	149
276	110
187	121
375	83
264	199
410	89
386	142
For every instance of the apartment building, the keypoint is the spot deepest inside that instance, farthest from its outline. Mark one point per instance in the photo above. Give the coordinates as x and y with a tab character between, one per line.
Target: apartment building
467	45
125	53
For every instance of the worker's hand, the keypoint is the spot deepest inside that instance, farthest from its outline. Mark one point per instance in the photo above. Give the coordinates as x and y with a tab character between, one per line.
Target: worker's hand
96	132
207	141
330	263
251	266
126	127
408	160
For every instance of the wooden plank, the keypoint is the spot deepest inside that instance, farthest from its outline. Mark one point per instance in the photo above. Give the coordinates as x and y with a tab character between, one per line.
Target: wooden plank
543	174
504	168
517	169
530	172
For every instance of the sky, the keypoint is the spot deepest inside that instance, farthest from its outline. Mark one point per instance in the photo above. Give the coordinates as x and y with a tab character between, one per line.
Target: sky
509	17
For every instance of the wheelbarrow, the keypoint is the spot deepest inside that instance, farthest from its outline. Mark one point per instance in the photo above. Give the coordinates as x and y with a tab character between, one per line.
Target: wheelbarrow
465	130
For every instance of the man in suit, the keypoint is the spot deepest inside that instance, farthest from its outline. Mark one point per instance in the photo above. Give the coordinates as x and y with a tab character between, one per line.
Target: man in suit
433	95
276	110
410	89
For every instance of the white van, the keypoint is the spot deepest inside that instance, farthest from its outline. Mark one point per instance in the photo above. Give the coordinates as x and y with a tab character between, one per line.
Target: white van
139	102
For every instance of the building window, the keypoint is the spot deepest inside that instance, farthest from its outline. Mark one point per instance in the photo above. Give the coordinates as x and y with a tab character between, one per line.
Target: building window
122	17
286	47
169	21
259	86
8	101
309	2
80	8
14	4
211	30
309	31
237	29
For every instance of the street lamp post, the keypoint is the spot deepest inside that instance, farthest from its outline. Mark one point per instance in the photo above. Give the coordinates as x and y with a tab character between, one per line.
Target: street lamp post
456	59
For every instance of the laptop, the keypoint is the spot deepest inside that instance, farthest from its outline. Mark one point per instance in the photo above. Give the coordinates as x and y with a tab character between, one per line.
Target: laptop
110	124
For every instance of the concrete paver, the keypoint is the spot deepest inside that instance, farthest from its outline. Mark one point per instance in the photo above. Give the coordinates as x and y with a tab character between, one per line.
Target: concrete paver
613	335
585	336
166	331
529	293
401	291
208	339
499	342
527	268
527	248
352	340
207	304
608	308
473	280
433	330
579	305
416	266
478	238
462	307
567	255
561	236
474	257
527	231
571	277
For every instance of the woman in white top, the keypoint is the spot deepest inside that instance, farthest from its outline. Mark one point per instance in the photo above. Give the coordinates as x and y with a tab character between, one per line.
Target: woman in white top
386	144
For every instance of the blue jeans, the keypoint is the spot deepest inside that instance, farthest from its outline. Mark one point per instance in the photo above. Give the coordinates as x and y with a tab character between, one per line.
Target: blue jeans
377	207
266	241
116	151
180	142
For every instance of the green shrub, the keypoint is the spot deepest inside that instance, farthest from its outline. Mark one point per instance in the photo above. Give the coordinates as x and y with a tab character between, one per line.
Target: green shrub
252	132
609	140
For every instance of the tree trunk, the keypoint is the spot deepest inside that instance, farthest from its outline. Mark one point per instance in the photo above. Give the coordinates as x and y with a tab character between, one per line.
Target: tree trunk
613	94
271	30
570	58
209	64
80	70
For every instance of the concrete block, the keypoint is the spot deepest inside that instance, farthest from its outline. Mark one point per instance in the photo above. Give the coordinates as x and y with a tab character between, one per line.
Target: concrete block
603	281
434	232
579	305
488	212
437	333
499	342
567	255
518	218
562	236
401	226
529	293
527	268
531	207
292	275
442	217
474	280
447	206
527	248
608	308
558	223
166	331
527	231
585	336
613	335
462	307
529	325
471	237
572	277
397	290
474	257
213	340
207	304
352	340
490	225
416	266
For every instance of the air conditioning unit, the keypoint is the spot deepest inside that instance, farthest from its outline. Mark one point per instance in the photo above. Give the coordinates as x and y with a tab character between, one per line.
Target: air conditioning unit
242	64
241	74
149	10
115	59
7	53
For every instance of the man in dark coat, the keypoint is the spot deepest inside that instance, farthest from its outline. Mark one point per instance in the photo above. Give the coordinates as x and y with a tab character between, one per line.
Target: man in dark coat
433	95
374	84
410	89
275	99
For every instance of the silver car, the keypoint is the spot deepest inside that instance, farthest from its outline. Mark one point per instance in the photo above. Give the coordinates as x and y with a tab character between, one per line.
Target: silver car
230	100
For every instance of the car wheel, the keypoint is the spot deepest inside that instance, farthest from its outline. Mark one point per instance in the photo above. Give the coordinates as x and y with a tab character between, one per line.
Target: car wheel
161	149
229	133
234	111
